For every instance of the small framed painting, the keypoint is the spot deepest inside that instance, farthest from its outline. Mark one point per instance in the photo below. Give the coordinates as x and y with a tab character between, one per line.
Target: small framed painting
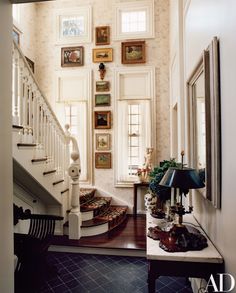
102	86
72	56
133	52
102	100
102	119
103	160
103	55
103	141
102	35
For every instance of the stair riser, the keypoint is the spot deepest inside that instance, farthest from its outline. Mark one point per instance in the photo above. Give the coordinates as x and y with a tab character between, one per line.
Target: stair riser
90	231
87	216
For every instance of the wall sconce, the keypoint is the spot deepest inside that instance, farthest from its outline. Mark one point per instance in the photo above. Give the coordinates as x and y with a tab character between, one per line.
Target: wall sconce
102	70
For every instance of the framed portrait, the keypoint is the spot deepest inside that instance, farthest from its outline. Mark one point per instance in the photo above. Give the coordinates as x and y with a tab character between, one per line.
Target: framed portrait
31	63
103	160
103	141
103	55
72	56
133	52
102	86
102	119
102	100
102	35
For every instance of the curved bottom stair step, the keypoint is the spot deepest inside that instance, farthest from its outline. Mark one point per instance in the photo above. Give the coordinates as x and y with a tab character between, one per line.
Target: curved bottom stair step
98	205
105	222
110	219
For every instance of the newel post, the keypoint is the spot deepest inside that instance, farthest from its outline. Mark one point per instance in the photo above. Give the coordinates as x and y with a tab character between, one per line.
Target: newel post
74	172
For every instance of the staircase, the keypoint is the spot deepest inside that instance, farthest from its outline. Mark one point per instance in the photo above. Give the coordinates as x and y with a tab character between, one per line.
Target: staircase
41	160
98	215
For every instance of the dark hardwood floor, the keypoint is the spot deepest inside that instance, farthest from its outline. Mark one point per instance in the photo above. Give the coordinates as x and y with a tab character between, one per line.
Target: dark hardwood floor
131	234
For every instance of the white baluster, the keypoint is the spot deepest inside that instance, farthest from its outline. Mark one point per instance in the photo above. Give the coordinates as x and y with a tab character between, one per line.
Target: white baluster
16	89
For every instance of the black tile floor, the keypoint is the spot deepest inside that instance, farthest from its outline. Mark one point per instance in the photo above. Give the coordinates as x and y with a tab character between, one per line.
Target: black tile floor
82	273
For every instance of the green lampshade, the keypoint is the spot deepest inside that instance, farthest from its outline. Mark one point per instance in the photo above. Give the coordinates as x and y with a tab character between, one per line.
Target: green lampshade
185	178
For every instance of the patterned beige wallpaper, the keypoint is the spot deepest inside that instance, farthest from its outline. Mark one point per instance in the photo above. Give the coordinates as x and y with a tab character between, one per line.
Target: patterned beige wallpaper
47	59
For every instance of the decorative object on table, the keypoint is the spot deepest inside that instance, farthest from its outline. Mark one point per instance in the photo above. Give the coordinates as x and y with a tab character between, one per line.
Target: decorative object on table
102	35
102	100
102	119
162	193
150	201
147	166
103	55
103	141
102	86
133	52
179	238
72	56
102	70
103	160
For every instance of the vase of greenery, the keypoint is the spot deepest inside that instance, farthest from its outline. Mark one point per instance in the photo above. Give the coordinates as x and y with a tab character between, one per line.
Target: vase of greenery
162	193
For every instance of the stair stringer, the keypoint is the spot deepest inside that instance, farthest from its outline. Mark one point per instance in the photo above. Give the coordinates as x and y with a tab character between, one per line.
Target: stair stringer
23	157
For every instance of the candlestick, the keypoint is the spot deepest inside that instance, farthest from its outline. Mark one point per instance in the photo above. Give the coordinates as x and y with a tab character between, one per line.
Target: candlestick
172	200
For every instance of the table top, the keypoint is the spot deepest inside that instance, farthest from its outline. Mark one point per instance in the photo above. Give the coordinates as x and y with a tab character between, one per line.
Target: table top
209	254
142	183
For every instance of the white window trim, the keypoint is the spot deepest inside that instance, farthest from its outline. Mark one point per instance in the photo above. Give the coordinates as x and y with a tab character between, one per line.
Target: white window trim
85	11
150	79
148	6
86	75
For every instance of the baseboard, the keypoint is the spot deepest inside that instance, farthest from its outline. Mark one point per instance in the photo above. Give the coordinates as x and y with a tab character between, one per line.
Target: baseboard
102	251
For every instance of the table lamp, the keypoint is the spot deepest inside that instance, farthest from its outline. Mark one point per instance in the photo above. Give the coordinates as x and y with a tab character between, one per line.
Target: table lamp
179	238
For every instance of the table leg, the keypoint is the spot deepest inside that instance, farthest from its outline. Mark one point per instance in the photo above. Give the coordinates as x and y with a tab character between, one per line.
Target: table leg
151	278
135	201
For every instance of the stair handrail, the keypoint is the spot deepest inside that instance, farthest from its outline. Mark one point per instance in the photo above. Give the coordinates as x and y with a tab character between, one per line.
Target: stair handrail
35	117
36	83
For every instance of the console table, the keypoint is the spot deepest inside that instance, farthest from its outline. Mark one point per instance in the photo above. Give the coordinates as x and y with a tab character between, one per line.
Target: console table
196	264
136	186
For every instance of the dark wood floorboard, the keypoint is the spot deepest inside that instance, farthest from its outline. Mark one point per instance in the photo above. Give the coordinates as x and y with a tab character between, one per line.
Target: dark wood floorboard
131	234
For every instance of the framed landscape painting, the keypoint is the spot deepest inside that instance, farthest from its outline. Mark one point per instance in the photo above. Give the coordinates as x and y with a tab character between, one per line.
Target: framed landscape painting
103	55
133	52
103	160
72	56
102	86
102	100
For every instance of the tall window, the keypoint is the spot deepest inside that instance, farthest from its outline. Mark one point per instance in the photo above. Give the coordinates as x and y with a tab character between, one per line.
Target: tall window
134	138
71	118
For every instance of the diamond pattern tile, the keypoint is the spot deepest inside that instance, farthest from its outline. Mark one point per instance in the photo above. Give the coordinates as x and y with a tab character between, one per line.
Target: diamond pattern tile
83	273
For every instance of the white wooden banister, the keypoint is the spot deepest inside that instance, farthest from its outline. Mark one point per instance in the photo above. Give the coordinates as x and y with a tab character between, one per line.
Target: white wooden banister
32	111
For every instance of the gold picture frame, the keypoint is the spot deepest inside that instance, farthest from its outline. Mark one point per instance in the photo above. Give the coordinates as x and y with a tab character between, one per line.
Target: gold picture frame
133	52
103	160
102	35
103	141
102	119
102	55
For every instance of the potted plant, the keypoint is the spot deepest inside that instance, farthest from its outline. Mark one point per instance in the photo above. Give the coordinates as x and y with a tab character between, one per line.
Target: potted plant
162	193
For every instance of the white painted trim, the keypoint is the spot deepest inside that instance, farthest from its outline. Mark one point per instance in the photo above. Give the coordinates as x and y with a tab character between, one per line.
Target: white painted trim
85	11
86	75
94	230
148	6
100	251
118	72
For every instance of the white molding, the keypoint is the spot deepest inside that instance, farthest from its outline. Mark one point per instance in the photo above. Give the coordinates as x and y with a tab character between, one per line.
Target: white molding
86	76
85	11
148	6
150	83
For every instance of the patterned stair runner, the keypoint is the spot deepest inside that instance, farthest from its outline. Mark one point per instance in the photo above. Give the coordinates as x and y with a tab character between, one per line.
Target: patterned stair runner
114	215
98	205
86	194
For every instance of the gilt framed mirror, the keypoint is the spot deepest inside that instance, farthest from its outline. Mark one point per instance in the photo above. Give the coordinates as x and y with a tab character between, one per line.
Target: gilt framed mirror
204	122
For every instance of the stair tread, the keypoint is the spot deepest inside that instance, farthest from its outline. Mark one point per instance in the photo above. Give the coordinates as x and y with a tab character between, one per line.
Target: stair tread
58	181
108	216
39	160
50	172
17	126
95	203
26	144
